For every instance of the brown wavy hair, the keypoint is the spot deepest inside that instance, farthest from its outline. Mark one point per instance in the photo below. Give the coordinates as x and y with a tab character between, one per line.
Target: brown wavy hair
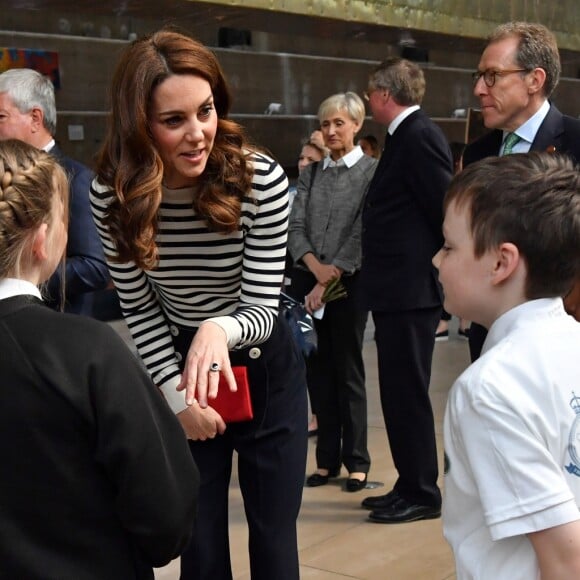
129	162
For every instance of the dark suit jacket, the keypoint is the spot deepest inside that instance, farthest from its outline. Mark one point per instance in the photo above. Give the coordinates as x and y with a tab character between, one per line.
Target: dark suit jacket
86	269
402	218
557	130
97	478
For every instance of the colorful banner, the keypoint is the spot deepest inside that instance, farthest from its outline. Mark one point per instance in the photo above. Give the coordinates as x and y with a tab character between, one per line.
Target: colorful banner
43	61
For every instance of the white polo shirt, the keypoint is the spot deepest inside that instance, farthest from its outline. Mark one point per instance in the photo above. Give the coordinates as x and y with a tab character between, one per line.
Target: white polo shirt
512	443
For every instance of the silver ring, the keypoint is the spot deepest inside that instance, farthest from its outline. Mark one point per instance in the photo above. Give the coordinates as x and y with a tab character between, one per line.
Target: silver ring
214	367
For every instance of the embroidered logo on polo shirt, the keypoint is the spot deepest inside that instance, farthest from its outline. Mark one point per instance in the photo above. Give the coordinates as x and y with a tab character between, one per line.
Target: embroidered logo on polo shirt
574	438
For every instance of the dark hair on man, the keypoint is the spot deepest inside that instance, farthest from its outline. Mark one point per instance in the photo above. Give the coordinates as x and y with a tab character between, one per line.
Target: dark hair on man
402	78
533	201
537	48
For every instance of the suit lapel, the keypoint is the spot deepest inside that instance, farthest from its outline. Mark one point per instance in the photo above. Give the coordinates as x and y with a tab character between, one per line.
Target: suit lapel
548	137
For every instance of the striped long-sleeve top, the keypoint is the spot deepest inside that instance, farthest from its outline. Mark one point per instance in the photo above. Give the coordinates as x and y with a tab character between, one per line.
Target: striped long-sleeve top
231	279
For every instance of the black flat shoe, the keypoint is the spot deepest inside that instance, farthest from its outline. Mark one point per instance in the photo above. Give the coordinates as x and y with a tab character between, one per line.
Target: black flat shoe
353	484
316	479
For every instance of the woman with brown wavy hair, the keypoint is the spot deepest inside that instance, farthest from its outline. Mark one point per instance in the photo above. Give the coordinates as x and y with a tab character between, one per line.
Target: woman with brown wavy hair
193	221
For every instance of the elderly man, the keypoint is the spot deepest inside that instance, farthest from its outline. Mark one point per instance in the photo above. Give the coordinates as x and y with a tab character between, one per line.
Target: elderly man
517	73
28	113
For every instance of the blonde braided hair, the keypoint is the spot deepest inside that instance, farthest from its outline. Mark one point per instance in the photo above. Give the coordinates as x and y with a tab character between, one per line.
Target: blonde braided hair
29	178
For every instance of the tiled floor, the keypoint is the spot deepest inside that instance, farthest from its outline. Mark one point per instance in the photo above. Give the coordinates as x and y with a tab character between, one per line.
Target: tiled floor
335	541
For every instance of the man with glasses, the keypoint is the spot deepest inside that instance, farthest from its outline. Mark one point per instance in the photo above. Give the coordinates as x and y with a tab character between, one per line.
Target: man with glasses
517	73
402	220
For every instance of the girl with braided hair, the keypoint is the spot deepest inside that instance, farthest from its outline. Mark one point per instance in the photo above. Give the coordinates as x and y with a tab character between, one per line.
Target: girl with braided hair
81	420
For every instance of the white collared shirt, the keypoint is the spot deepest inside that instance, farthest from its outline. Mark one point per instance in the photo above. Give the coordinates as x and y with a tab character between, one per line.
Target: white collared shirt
10	287
512	443
48	147
350	159
401	117
528	131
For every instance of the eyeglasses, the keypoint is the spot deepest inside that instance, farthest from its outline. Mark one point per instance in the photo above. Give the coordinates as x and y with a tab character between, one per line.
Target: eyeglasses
490	74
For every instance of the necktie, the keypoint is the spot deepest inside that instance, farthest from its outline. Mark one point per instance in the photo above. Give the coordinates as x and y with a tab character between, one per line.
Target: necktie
387	140
509	143
385	153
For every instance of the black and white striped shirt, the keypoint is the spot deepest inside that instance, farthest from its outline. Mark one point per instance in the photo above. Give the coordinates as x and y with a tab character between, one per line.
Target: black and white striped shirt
233	279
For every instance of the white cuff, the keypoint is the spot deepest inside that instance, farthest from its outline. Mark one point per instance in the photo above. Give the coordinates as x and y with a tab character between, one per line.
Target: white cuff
175	399
231	327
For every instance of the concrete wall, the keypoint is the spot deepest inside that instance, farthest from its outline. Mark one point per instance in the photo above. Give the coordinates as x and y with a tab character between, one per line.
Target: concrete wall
298	82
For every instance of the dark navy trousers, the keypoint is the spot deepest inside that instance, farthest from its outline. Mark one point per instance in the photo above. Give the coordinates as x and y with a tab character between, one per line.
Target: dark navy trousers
271	465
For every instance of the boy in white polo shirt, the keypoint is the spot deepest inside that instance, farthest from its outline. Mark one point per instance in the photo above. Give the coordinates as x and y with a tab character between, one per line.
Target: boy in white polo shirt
512	424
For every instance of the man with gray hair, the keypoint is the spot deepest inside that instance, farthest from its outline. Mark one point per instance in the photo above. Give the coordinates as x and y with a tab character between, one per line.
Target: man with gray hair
28	113
517	74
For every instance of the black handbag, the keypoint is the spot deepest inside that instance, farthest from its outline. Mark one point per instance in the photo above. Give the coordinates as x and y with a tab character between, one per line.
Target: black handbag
301	324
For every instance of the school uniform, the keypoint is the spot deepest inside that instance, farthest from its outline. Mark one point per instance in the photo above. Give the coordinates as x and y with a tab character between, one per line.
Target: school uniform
97	479
512	432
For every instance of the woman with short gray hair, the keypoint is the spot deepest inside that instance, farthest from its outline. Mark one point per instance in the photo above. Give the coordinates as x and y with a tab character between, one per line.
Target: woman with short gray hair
325	243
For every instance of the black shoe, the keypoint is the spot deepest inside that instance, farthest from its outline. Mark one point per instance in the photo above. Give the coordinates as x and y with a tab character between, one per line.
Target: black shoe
353	484
401	511
316	479
380	502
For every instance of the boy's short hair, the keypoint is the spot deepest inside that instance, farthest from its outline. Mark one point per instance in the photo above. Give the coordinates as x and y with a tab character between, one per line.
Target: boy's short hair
533	201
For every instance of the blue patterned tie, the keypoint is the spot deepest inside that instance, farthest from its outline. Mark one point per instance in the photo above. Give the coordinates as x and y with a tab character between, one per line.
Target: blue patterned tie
509	143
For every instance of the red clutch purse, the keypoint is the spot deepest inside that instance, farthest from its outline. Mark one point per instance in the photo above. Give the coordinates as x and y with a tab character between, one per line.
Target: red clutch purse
236	406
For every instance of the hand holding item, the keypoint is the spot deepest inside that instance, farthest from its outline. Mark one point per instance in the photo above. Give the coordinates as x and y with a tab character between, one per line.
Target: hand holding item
325	273
313	301
207	358
334	290
201	424
320	295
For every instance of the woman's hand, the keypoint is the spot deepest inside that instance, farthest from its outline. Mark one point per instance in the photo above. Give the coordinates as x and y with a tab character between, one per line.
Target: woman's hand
201	424
318	139
324	273
208	348
313	300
